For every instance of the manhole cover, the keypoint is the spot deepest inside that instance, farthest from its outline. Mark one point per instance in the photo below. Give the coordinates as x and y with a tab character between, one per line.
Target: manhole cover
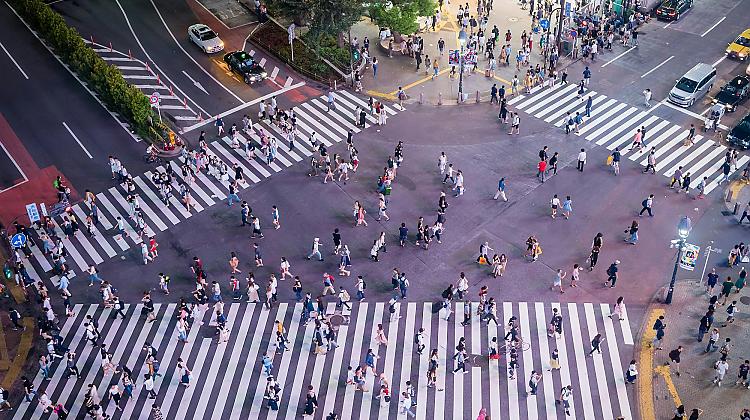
512	19
745	300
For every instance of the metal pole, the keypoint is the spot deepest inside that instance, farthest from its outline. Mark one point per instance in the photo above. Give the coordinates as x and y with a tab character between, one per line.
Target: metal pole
158	108
351	57
705	264
668	300
461	75
560	27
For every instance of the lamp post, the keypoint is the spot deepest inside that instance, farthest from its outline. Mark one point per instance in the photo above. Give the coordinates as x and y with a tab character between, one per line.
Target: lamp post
683	231
462	42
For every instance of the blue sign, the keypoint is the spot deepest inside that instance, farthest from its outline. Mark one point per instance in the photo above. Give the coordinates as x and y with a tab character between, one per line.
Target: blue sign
18	240
567	9
544	23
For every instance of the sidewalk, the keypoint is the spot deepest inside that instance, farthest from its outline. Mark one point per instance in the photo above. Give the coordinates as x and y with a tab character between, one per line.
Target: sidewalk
401	70
740	194
694	387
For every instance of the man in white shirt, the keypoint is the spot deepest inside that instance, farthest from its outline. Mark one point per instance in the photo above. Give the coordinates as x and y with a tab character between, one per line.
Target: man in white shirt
581	159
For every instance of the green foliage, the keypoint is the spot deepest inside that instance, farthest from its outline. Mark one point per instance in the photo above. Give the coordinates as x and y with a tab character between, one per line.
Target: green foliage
276	41
104	79
323	16
401	15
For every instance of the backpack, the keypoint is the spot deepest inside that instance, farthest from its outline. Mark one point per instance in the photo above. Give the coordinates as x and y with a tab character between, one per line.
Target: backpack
644	203
445	294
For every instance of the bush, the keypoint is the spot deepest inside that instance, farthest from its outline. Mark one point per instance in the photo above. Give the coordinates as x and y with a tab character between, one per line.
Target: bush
104	79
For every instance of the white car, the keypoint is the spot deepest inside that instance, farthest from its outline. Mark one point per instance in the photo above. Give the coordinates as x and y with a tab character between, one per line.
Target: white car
205	38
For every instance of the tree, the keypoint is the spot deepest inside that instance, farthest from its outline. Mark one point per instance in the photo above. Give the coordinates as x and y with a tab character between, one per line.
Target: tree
324	17
401	15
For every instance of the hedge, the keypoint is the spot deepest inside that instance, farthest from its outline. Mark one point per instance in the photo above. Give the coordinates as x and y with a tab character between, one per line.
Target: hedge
103	78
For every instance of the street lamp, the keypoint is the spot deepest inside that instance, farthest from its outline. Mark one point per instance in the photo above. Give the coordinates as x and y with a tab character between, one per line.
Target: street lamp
462	42
683	231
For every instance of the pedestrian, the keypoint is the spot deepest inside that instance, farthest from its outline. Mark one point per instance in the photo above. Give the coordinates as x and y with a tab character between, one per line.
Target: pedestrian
674	359
742	374
632	373
659	327
15	318
581	159
557	283
720	368
726	289
500	190
534	382
565	395
595	344
647	97
554	204
612	274
554	361
148	386
711	280
316	250
647	205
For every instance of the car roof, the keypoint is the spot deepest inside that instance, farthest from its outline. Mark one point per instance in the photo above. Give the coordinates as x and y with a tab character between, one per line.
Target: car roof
201	27
739	81
699	71
745	33
240	55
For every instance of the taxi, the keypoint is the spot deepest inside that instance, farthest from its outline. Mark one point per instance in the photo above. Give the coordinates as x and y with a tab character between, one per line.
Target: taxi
740	48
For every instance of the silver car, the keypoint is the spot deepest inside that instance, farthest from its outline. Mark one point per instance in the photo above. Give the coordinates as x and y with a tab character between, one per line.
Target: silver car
205	38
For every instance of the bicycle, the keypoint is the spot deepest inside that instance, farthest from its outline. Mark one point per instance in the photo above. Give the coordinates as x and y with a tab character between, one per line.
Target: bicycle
149	158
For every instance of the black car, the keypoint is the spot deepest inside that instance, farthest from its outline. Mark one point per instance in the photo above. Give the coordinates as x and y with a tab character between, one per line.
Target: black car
672	9
739	137
243	64
733	93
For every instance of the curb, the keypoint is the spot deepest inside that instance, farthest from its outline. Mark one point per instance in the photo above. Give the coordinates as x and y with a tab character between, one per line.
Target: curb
731	195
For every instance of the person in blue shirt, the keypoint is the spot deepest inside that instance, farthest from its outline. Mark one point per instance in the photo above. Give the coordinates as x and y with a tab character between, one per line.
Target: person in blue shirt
500	190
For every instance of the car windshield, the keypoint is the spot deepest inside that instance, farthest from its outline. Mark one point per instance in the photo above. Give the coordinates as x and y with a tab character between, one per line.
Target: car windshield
745	42
742	130
208	35
686	85
245	63
667	6
731	88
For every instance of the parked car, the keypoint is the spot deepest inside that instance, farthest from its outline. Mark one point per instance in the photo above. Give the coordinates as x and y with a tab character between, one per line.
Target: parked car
733	93
740	48
693	85
673	9
739	137
243	64
204	37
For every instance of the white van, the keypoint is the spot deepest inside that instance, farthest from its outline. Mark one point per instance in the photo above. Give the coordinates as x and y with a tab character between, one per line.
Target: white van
693	85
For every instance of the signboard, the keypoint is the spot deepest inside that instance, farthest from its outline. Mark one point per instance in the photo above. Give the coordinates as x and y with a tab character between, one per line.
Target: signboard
33	212
454	57
154	99
567	9
544	23
689	256
44	209
18	240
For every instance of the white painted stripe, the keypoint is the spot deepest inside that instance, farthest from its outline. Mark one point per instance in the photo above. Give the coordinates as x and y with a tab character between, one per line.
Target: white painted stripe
709	172
406	359
262	62
713	26
115	58
40	258
513	403
123	344
35	276
298	377
476	371
600	374
424	361
637	118
610	123
594	121
56	379
175	107
631	133
325	135
515	99
320	366
353	106
146	209
333	113
494	368
300	144
252	358
175	202
544	356
80	262
198	190
458	377
395	340
151	87
102	218
545	99
564	362
370	379
14	61
443	362
256	403
259	168
156	200
533	97
131	68
113	211
348	108
618	56
77	140
657	66
217	192
528	357
184	403
186	118
655	143
617	368
570	98
675	153
138	77
88	247
718	150
715	183
334	379
124	204
99	237
274	73
354	360
697	151
252	53
248	174
650	132
583	375
234	360
667	147
557	116
362	102
288	82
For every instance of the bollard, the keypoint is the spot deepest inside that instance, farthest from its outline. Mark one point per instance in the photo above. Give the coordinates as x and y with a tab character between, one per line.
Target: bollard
335	85
92	40
477	96
729	195
200	117
130	56
440	98
736	208
110	46
170	91
184	102
148	68
158	80
421	98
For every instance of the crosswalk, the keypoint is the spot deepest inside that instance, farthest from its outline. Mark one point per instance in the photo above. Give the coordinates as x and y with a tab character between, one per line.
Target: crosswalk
613	124
229	382
206	190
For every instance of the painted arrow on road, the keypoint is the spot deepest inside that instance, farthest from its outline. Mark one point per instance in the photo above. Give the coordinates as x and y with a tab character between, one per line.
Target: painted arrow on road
197	84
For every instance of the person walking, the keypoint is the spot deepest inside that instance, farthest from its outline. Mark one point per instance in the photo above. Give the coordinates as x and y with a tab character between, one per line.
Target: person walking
647	97
566	394
619	309
500	193
534	382
316	250
632	373
612	274
720	369
647	205
596	343
674	359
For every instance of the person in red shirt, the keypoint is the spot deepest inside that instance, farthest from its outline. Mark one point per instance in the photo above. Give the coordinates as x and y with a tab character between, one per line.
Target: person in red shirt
542	168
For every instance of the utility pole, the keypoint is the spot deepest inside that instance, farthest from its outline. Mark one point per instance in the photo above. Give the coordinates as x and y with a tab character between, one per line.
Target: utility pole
560	27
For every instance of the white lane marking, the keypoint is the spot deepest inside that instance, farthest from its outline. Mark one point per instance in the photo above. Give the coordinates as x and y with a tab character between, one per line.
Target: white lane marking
262	61
229	91
716	63
688	112
138	77
14	61
242	106
668	24
18	168
274	73
138	40
288	82
620	55
196	83
77	141
659	65
712	27
627	335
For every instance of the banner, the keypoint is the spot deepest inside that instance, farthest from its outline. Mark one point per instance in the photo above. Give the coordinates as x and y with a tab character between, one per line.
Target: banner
689	256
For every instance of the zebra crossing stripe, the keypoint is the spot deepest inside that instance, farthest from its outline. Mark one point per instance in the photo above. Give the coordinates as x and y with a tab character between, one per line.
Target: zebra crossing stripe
343	106
650	132
362	103
354	361
40	258
564	362
555	90
513	404
610	123
740	163
156	200
295	390
679	150
670	144
563	102
308	107
600	374
443	363
260	169
528	357
458	377
717	151
194	185
546	100
252	357
580	354
98	237
593	122
494	367
71	249
614	357
694	153
175	202
575	106
476	371
319	367
544	355
390	362
370	379
627	133
326	135
424	360
352	107
334	381
300	145
408	348
655	143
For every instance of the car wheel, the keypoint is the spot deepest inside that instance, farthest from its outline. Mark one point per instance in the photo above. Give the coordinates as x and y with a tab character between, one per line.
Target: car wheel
677	17
247	80
692	101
